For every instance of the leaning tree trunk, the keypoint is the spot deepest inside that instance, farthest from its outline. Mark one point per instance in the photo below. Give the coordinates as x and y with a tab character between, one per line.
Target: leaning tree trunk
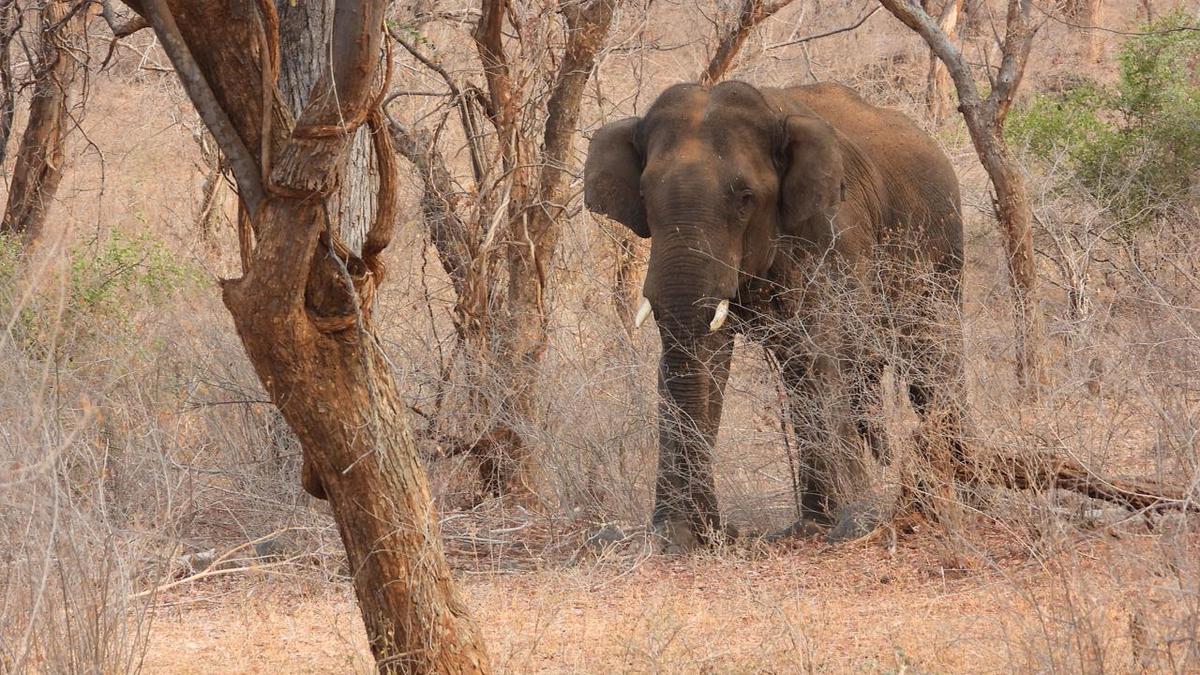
1015	215
40	159
303	306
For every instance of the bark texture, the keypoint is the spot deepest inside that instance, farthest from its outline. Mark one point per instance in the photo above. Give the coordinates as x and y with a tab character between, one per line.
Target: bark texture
38	168
303	306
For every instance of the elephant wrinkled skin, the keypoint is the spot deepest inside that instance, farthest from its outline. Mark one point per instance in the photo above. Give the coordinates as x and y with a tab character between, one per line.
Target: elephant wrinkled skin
764	208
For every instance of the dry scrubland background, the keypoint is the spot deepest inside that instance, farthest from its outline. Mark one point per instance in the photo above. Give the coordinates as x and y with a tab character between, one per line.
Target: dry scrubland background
136	444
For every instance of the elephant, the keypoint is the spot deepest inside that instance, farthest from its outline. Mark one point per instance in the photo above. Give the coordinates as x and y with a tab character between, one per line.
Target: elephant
758	202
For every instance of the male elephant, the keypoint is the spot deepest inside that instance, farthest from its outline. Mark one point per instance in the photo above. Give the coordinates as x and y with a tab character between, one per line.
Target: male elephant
758	203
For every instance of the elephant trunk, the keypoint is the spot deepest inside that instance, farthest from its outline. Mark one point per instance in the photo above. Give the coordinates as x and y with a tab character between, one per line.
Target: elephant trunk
692	274
689	286
691	380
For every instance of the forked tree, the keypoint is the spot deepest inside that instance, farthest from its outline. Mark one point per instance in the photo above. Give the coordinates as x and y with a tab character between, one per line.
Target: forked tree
985	117
496	238
302	306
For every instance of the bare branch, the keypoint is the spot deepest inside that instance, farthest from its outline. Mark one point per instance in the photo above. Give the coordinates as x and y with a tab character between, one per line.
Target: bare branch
826	34
753	12
121	27
478	163
245	167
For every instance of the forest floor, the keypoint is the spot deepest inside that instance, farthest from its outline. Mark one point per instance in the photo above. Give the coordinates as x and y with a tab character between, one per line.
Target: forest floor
875	606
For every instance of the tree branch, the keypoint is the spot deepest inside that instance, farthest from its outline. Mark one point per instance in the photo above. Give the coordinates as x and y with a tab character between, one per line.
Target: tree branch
753	12
926	26
478	163
488	36
245	167
121	27
826	34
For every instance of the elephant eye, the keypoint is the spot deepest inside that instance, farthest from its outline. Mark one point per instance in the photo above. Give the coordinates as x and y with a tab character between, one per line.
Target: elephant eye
745	200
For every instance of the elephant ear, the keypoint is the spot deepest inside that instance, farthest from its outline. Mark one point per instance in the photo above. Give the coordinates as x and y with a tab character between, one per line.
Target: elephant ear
612	175
812	181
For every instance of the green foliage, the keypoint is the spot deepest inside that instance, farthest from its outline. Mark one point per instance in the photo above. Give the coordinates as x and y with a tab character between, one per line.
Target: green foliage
123	273
107	286
1134	147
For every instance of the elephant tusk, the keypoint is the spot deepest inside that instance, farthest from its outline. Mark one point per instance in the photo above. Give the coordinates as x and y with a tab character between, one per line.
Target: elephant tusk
643	312
719	317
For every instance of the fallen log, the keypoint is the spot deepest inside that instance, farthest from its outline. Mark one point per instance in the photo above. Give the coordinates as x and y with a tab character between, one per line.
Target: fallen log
1040	470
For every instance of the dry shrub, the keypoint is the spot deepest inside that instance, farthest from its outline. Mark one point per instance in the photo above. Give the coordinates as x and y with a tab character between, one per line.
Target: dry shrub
125	448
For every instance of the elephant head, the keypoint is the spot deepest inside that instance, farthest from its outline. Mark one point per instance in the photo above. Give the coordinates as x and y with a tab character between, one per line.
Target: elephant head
718	180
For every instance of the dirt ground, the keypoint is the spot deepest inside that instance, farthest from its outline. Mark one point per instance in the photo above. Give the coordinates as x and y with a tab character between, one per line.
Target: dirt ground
807	607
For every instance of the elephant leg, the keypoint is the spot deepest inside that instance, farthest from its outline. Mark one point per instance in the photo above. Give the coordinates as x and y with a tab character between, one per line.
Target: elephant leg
692	384
833	476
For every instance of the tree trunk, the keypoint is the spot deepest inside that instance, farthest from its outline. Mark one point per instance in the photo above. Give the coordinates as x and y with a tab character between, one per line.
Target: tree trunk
9	24
303	306
1085	14
40	160
337	393
1015	214
938	99
303	27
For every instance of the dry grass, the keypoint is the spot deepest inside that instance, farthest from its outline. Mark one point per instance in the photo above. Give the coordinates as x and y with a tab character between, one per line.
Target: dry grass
806	609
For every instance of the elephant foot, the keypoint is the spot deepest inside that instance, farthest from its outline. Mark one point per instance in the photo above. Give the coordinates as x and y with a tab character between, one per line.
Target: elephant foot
855	520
